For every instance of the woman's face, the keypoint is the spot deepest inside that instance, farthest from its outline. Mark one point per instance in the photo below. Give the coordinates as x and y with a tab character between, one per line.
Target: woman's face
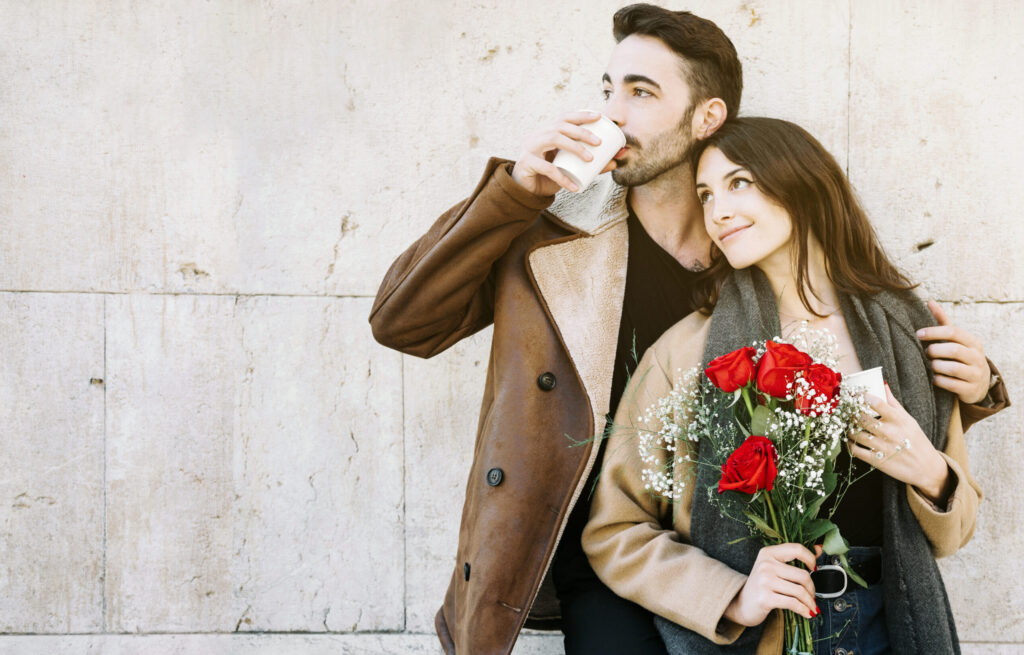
749	227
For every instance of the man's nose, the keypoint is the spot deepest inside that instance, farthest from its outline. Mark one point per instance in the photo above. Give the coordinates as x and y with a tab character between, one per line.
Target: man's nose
614	109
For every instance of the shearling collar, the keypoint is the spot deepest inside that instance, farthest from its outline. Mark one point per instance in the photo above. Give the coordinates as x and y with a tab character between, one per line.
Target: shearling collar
593	210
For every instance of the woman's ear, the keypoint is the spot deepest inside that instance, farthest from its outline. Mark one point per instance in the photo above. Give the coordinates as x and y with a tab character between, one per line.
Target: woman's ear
708	117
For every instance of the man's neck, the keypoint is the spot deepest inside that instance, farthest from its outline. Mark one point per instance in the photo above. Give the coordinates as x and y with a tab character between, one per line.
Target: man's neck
669	212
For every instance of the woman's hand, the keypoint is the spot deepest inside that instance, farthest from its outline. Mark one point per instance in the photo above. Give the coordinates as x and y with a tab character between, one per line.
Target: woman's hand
895	444
773	583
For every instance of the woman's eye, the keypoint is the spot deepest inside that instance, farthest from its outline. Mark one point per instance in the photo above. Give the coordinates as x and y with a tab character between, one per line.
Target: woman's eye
607	93
642	93
739	183
704	197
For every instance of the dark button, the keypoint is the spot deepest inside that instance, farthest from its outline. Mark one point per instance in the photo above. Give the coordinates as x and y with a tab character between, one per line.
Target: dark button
465	569
495	476
546	381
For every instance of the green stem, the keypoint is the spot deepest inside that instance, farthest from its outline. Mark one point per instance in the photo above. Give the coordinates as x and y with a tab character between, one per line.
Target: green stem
746	399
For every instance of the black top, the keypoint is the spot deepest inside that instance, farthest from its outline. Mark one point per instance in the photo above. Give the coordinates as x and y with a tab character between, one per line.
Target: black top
657	296
859	515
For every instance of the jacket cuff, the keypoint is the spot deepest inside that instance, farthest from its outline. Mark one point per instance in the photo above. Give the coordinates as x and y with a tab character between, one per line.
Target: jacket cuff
713	625
503	177
996	401
943	525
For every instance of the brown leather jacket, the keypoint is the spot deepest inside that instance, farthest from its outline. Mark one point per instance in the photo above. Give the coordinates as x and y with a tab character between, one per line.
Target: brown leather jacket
549	273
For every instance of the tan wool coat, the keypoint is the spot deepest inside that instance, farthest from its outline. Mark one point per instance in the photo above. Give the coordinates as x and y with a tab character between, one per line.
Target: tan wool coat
637	542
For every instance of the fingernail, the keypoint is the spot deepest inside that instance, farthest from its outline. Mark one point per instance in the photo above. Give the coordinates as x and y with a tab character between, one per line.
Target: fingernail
921	333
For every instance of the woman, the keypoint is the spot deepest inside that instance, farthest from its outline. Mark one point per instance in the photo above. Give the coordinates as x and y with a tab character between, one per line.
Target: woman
782	214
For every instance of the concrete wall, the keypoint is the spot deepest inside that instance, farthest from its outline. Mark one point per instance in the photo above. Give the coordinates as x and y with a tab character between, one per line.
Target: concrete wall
203	449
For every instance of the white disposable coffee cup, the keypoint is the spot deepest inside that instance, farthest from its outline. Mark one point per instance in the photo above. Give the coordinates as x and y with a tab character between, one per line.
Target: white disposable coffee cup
869	380
583	172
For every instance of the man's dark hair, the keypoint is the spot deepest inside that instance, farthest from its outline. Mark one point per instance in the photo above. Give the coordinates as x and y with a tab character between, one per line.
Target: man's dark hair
710	64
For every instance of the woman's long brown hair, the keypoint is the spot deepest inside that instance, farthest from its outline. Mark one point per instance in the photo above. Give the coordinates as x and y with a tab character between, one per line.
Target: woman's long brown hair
791	167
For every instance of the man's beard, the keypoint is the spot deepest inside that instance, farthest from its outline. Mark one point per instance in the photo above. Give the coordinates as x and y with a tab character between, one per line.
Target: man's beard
661	153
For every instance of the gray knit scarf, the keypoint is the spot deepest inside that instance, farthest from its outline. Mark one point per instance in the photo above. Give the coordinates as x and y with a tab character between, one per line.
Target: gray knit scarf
882	327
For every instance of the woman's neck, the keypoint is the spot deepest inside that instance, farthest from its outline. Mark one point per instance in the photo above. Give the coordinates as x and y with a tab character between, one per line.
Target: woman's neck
819	290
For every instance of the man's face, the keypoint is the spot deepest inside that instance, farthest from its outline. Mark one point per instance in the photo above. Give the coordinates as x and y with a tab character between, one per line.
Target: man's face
648	97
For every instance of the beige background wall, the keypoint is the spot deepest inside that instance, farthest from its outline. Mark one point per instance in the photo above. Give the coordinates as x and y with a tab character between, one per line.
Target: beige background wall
204	451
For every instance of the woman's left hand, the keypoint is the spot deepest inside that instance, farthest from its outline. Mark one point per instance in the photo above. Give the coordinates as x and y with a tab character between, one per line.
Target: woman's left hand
895	444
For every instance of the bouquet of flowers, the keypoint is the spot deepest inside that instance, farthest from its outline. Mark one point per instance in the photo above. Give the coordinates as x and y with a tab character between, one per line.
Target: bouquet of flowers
775	418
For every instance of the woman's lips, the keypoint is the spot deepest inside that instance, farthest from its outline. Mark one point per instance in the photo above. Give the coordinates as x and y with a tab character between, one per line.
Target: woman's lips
730	233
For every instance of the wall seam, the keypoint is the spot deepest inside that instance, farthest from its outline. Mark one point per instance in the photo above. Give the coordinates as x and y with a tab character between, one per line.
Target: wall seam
405	526
104	474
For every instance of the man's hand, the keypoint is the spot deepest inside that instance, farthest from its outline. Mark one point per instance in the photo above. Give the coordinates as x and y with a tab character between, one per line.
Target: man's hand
534	170
959	363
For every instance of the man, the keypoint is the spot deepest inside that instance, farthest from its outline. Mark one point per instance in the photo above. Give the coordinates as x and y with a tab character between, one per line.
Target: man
577	287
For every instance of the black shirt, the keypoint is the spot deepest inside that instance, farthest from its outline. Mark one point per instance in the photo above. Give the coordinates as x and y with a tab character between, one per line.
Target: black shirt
658	295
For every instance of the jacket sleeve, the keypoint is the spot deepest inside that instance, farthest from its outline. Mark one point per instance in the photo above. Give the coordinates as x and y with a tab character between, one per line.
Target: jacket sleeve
996	401
441	289
629	538
949	528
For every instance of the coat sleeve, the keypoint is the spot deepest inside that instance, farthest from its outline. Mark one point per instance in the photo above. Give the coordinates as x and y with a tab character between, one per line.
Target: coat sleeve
630	539
996	401
949	528
441	289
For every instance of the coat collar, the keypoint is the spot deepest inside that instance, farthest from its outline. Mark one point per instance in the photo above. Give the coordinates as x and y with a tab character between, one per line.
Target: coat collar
582	282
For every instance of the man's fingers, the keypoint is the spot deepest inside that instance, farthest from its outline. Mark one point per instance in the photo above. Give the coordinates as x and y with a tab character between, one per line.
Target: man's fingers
578	133
550	171
951	350
581	117
938	312
949	333
953	369
954	385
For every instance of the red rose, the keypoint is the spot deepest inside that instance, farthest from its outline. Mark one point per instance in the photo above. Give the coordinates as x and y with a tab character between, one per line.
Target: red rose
750	468
733	370
777	368
823	381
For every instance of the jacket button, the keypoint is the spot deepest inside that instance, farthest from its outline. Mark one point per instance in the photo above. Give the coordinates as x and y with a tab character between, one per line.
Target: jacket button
546	381
495	476
465	569
840	605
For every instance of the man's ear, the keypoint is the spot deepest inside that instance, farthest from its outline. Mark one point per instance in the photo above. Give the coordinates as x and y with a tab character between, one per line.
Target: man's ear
708	117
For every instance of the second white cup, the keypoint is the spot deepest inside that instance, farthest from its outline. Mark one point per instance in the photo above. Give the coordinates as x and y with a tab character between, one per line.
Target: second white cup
582	173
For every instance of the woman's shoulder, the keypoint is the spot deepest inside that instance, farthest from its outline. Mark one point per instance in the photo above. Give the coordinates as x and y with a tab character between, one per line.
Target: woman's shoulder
682	345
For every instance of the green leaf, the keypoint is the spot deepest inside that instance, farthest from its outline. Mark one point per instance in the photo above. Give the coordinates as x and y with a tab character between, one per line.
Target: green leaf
829	478
743	428
850	572
834	543
817	528
759	422
762	525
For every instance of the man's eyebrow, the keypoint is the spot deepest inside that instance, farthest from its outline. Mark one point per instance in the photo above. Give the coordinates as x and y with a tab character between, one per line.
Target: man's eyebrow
633	78
642	79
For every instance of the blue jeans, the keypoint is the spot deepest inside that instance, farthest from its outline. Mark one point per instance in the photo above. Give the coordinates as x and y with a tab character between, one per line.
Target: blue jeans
854	623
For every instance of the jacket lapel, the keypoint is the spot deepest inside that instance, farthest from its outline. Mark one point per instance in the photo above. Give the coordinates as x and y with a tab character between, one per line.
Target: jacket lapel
582	282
